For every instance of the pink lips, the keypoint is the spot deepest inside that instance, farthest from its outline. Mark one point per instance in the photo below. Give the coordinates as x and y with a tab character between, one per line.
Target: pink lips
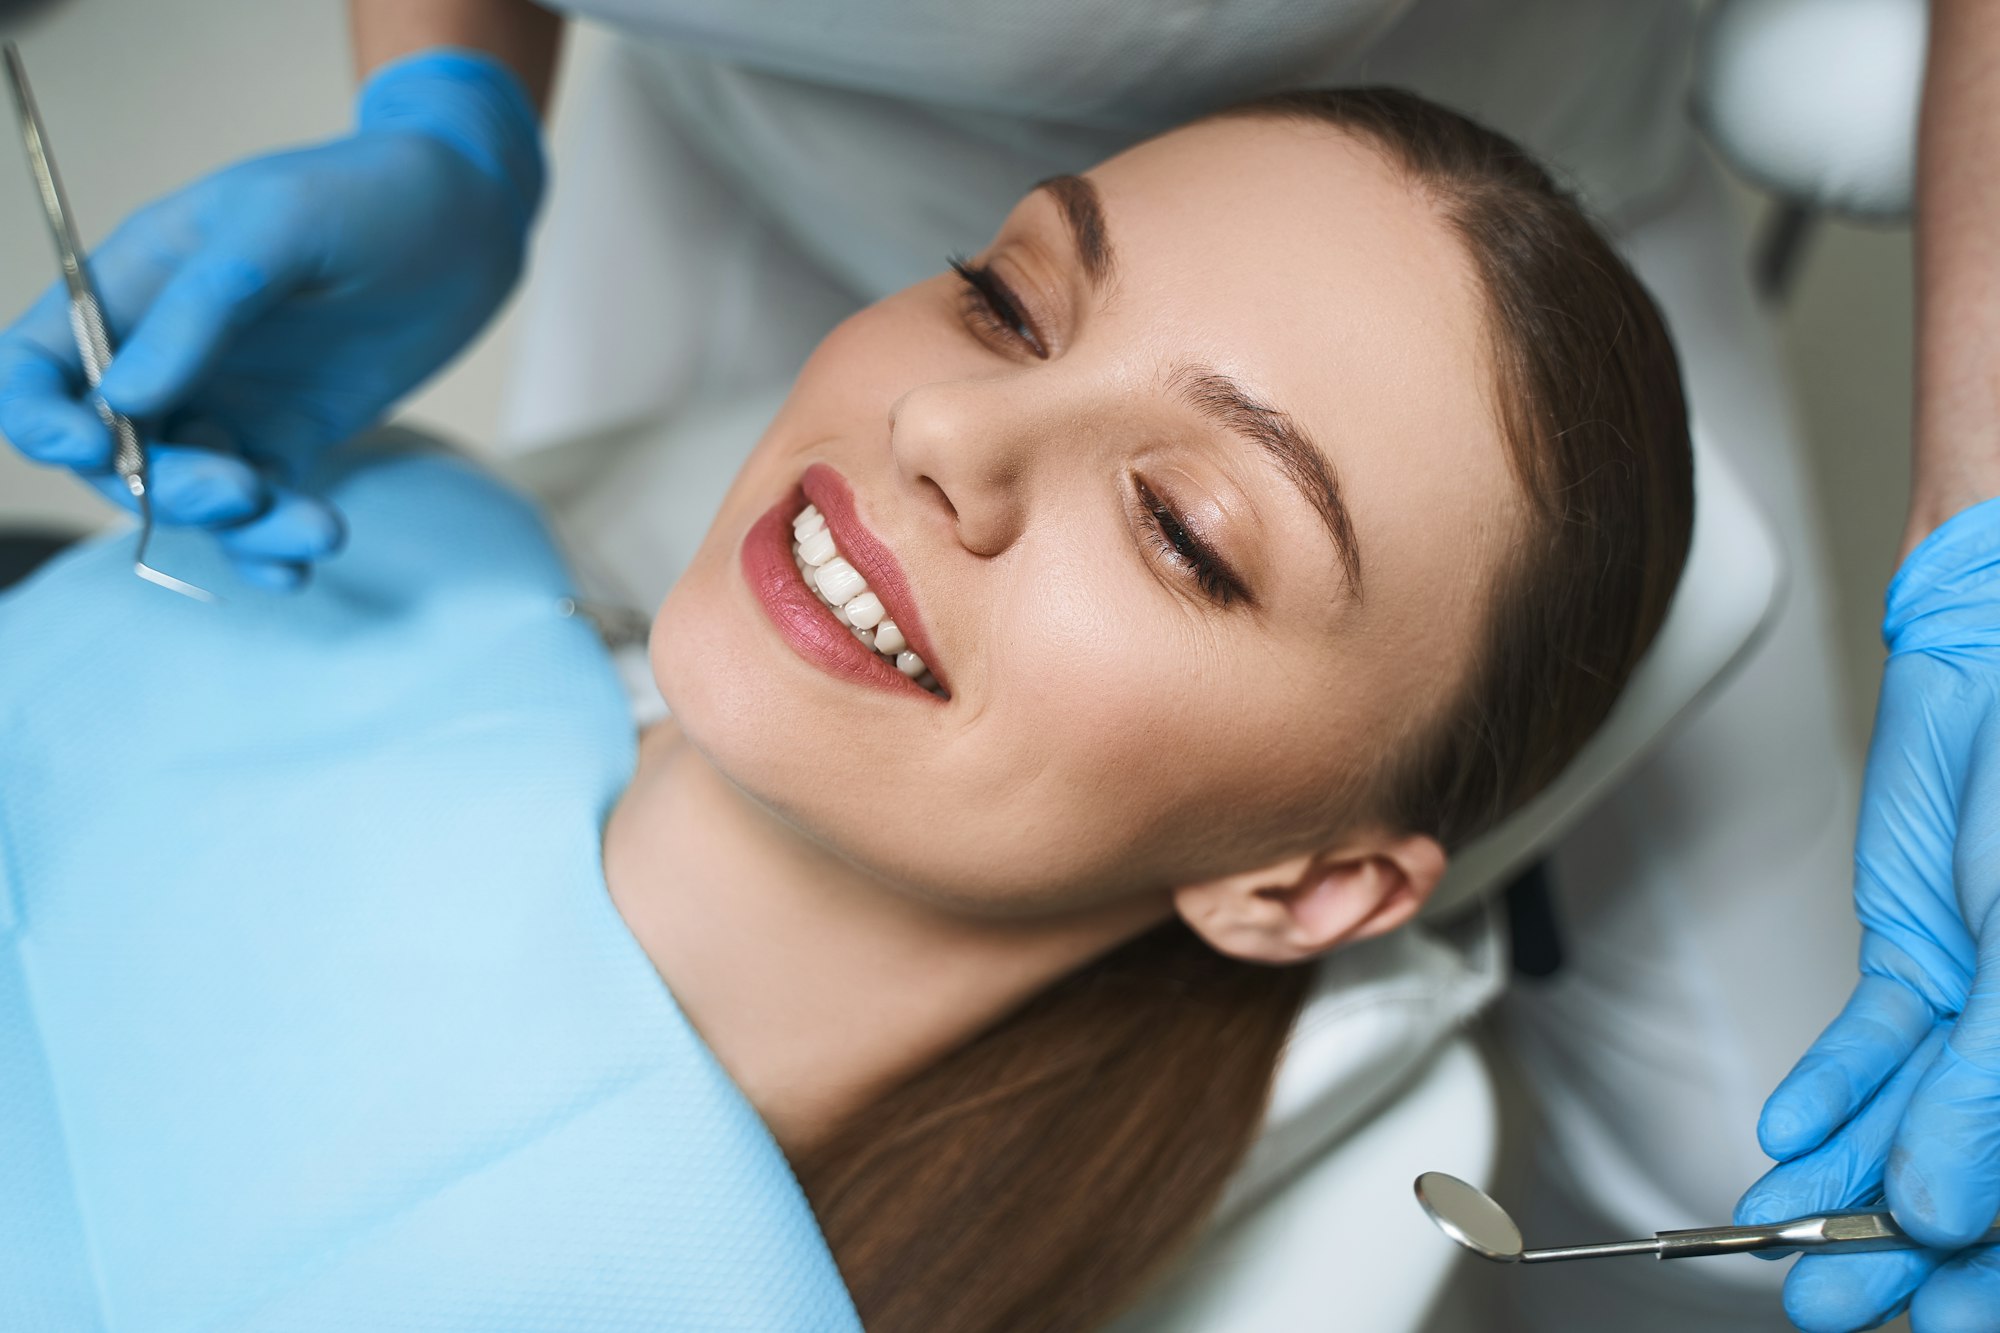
804	621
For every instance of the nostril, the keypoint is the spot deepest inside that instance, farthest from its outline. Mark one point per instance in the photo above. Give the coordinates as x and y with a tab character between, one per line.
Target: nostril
943	499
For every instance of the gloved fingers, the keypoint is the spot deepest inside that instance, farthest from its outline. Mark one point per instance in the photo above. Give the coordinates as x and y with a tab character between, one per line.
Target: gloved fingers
1846	1170
40	384
1963	1296
1976	870
1874	1035
192	487
297	529
237	277
1838	1293
1944	1173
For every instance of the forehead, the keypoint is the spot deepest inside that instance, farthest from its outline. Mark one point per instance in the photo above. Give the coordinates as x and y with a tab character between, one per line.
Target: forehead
1298	219
1297	258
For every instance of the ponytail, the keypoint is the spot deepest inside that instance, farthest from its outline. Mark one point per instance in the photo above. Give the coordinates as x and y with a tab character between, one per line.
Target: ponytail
1035	1177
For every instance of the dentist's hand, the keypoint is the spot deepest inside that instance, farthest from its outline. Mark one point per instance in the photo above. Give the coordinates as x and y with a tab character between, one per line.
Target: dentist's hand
281	305
1902	1091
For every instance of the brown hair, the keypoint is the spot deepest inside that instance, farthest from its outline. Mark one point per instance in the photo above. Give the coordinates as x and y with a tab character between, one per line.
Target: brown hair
1039	1175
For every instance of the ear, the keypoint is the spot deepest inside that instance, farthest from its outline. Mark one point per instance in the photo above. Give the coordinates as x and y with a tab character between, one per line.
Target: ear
1304	906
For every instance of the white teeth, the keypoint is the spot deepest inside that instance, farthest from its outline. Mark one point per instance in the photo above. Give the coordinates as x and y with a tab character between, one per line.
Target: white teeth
866	611
839	581
840	585
817	548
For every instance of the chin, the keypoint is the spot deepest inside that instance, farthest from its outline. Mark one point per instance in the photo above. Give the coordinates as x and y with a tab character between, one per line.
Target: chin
734	691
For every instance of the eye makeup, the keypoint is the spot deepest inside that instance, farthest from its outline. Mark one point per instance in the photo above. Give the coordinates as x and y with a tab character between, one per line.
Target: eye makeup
991	303
1181	546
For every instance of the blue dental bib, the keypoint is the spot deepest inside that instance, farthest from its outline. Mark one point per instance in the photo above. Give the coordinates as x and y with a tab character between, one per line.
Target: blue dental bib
314	1011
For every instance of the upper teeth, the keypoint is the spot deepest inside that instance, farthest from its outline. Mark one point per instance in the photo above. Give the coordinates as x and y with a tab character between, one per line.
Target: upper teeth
842	588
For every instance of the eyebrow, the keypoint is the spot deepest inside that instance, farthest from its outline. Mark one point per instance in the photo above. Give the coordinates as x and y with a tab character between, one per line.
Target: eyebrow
1077	198
1285	444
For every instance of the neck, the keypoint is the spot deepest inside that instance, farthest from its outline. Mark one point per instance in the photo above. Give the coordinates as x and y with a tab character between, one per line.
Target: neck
817	985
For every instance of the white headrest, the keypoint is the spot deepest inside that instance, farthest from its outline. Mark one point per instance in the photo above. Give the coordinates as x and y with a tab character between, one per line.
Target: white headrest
1817	99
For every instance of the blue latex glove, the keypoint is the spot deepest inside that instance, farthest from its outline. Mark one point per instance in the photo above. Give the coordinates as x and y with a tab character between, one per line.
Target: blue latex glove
283	304
1901	1094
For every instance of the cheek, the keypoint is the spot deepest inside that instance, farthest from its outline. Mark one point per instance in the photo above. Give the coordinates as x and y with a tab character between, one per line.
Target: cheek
845	373
1147	742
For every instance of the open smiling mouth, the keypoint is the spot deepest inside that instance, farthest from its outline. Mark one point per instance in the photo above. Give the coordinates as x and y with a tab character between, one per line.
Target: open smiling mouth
840	587
836	594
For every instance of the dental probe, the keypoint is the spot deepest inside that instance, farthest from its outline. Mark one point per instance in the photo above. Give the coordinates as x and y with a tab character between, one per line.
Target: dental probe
86	320
1469	1216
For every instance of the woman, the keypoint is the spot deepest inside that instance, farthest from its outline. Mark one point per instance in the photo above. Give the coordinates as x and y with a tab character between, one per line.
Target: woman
1260	516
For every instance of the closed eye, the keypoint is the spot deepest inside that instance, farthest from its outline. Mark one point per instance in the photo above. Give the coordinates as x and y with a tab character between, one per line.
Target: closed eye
1184	549
991	304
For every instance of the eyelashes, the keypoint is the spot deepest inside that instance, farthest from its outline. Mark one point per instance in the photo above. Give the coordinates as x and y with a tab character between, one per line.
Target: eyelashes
992	303
991	306
1180	547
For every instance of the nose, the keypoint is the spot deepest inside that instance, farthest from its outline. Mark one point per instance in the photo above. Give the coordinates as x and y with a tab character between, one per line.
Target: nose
972	448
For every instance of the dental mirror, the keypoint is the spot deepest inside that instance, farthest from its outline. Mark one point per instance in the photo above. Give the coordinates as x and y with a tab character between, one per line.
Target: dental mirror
1469	1216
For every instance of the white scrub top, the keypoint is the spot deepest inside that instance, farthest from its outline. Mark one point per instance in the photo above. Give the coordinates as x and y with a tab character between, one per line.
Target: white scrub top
871	138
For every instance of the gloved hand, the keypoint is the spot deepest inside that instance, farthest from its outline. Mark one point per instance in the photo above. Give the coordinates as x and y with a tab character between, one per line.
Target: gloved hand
281	305
1902	1091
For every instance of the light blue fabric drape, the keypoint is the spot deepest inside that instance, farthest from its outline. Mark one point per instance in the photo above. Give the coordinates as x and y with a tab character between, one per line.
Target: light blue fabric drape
314	1011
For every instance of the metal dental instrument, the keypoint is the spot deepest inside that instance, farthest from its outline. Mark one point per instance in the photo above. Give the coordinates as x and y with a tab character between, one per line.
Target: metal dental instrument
86	319
1469	1216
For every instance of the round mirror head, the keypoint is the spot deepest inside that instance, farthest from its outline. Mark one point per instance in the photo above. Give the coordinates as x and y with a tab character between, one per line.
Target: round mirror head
1469	1217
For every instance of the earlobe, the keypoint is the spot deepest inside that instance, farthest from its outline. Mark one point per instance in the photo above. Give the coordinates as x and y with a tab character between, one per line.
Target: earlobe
1304	906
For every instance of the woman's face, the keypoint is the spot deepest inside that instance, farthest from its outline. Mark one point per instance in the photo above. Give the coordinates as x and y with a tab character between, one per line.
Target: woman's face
1190	499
